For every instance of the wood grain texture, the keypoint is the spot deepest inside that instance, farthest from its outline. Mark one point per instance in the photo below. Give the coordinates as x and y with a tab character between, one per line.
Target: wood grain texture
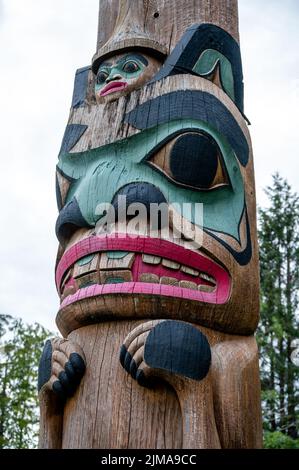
50	422
110	409
139	389
99	131
107	9
173	19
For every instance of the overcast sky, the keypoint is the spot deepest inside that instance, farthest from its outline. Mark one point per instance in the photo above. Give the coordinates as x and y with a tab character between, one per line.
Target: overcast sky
42	43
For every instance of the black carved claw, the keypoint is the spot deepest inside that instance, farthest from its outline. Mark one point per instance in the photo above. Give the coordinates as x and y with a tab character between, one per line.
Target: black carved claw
132	368
70	377
172	346
61	367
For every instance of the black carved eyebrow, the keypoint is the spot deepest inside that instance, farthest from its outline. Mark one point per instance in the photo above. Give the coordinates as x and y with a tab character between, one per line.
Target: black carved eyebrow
105	64
132	56
191	105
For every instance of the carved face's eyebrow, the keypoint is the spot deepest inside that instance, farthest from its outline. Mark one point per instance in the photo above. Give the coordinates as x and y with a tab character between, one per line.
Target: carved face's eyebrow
133	56
105	64
189	104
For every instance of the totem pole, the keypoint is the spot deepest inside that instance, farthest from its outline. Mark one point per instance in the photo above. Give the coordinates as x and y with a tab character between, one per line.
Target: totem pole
157	318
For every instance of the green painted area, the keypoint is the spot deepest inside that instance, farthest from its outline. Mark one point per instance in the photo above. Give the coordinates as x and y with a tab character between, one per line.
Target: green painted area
207	63
121	67
85	260
117	254
101	172
114	280
87	284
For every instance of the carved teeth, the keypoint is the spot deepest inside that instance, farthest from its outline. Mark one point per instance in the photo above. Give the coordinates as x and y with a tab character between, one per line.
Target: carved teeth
109	261
117	254
87	279
115	277
188	285
86	265
66	278
170	281
68	291
190	271
149	259
170	264
204	288
149	278
207	278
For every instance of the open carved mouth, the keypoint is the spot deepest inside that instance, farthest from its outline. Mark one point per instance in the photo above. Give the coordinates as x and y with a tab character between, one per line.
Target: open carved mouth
113	87
123	264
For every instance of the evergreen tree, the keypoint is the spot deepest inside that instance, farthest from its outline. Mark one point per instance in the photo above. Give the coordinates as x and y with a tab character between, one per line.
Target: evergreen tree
279	266
20	351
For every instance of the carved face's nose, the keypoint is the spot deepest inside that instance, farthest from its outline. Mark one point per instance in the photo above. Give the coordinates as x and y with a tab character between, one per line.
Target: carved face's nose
113	77
141	193
70	219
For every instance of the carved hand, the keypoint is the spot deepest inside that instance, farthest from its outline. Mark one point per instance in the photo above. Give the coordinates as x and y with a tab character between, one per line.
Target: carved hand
160	346
61	367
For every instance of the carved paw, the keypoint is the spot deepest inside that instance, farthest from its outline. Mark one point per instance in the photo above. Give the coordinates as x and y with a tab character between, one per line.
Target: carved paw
171	346
61	367
132	353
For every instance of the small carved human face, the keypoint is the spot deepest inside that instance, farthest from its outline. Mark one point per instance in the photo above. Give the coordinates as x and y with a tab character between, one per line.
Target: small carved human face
122	74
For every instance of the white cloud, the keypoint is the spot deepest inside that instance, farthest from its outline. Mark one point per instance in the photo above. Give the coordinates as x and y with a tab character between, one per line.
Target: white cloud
43	44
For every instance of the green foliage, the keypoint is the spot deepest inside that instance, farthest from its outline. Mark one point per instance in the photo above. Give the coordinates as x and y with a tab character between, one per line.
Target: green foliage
20	351
278	440
279	267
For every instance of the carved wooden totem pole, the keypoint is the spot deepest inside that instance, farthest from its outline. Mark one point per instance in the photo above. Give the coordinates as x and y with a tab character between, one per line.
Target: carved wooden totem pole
159	349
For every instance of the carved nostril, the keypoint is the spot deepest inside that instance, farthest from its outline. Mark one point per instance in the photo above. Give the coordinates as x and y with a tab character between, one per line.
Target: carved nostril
70	219
142	193
113	78
139	193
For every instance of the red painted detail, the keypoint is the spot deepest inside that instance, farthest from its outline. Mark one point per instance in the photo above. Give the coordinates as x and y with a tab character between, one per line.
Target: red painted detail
112	87
70	283
151	246
145	289
139	268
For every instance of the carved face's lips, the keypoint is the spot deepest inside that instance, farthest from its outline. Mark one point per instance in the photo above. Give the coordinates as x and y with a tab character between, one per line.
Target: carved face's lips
113	87
122	264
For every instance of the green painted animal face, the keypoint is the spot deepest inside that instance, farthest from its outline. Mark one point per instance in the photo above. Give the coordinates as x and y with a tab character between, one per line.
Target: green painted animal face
98	175
181	140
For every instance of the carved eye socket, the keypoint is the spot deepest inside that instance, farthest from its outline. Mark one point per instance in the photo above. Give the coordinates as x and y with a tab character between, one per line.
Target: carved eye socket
131	67
101	77
192	159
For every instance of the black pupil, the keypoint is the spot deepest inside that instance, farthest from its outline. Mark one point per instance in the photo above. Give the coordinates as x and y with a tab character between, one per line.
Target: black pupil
101	77
194	160
130	67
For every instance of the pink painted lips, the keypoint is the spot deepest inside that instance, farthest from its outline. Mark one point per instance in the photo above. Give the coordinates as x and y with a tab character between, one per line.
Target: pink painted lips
113	87
139	265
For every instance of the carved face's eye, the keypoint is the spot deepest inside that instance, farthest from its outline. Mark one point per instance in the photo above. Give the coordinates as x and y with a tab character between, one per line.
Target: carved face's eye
101	77
130	67
193	159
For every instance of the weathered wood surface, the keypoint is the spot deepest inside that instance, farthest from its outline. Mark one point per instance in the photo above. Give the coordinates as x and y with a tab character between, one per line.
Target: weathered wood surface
111	410
235	315
172	21
181	311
